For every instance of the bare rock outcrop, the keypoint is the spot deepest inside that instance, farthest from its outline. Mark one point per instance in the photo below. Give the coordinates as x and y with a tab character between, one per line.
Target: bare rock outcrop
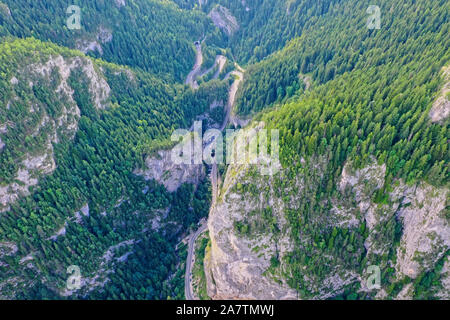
26	176
107	266
237	264
120	3
164	170
444	293
420	209
240	256
98	87
94	42
406	293
224	20
4	9
426	231
363	181
34	165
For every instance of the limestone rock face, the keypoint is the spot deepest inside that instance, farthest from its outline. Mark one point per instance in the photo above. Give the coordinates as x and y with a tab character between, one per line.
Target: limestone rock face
98	87
238	260
4	9
444	293
172	175
93	42
441	106
237	264
120	3
420	209
224	20
426	231
33	165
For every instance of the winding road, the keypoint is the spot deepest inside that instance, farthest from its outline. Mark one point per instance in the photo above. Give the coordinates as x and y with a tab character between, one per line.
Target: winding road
229	117
214	173
190	79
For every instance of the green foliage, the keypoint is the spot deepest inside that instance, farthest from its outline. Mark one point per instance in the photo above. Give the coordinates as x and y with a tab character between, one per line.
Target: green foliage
153	35
364	104
336	91
338	42
202	245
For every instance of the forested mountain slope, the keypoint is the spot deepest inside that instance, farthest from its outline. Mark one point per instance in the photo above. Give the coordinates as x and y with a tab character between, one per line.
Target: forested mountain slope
365	165
154	35
74	129
86	118
340	42
266	25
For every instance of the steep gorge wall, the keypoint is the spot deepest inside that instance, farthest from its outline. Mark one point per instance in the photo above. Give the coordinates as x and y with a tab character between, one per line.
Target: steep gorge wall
51	127
238	265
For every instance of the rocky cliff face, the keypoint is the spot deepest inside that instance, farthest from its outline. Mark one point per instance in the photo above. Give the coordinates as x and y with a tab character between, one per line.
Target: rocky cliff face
94	41
52	126
237	263
224	20
250	235
420	209
426	229
172	175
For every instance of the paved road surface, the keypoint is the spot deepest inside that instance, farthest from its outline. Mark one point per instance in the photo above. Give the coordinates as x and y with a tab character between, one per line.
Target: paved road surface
214	174
190	80
190	260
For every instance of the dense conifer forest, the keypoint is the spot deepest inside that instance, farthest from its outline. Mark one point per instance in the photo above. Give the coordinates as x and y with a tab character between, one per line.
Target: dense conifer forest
335	90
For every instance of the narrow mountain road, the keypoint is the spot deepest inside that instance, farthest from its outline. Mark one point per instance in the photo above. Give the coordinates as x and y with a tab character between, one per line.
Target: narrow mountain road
239	73
232	96
190	79
188	290
220	61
